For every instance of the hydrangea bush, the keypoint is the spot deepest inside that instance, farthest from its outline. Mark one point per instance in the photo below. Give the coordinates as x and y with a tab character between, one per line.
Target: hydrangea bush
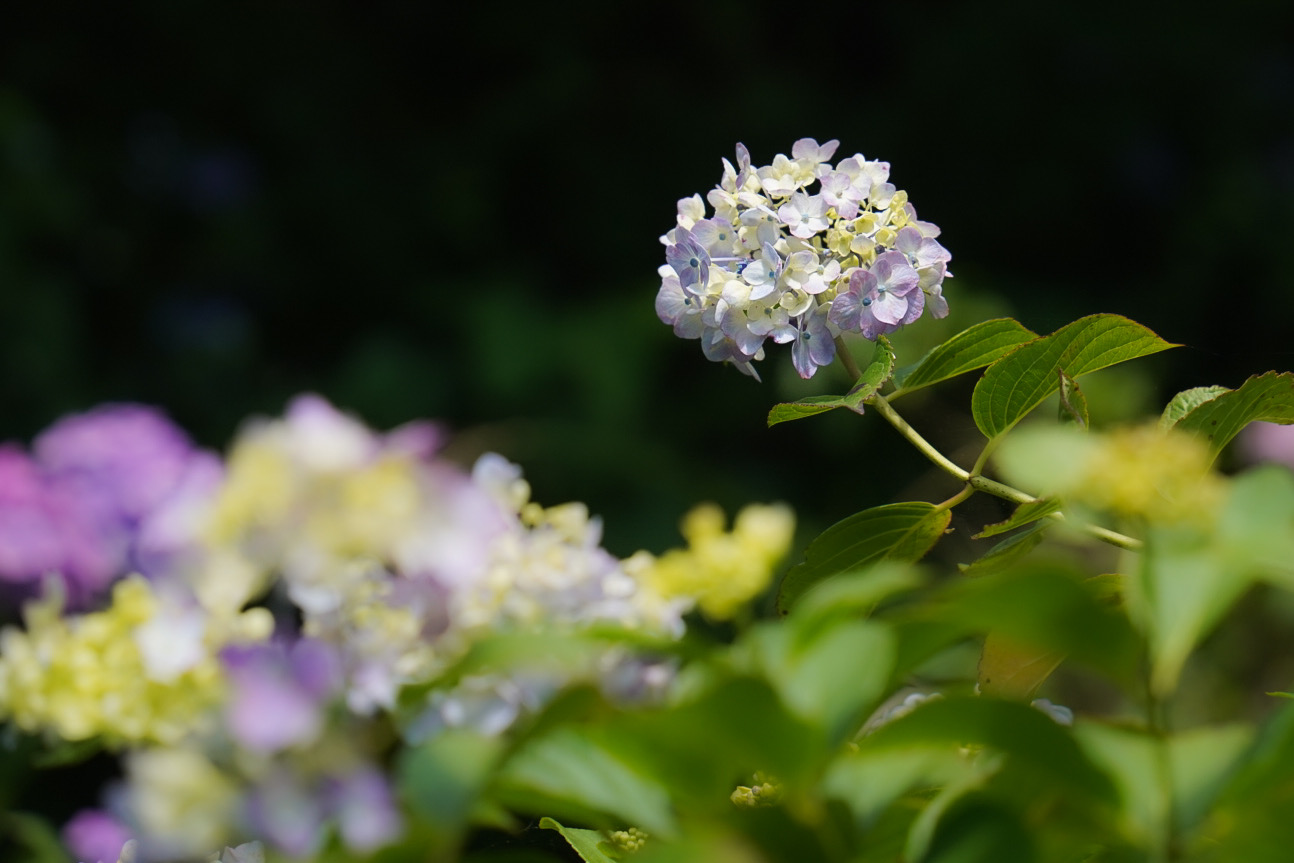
337	644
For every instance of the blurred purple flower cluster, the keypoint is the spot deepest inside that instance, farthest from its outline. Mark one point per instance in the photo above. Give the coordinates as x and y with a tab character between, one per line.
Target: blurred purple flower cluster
117	489
385	564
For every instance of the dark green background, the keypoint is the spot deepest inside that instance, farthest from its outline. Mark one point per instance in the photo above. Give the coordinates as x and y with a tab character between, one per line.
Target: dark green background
211	206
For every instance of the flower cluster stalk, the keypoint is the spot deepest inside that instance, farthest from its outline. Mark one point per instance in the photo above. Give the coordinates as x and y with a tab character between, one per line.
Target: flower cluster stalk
973	479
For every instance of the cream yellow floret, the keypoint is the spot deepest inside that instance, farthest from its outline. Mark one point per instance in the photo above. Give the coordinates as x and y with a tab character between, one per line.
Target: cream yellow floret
79	677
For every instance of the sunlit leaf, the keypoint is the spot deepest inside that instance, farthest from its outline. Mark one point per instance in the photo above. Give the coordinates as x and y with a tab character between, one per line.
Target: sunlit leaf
1266	398
876	374
896	531
1019	381
1010	669
1185	402
971	349
591	845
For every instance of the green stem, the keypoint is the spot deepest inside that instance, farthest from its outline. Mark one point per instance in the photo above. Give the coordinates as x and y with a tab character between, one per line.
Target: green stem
976	481
901	425
967	491
973	479
1006	492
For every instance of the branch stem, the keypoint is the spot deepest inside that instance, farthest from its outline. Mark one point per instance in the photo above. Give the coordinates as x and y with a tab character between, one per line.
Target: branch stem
974	480
901	425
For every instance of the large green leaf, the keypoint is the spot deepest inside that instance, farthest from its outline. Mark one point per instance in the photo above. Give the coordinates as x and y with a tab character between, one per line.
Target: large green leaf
970	349
895	531
871	380
1168	782
1267	398
1047	608
868	782
1033	741
1256	526
1250	818
728	725
444	780
852	595
1182	588
1018	382
570	771
1191	575
807	667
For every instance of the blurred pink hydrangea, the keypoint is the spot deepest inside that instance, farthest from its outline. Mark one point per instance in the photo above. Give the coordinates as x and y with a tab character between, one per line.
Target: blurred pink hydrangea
1267	442
102	494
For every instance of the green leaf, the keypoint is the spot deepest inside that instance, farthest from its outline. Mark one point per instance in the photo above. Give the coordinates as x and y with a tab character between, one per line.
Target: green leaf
895	531
1133	760
1189	578
1049	608
1033	741
443	781
1201	760
807	667
1010	669
1267	398
871	380
1256	528
970	349
36	839
1187	401
853	594
728	726
591	845
1172	780
1008	551
1018	382
869	782
1182	588
1025	513
570	771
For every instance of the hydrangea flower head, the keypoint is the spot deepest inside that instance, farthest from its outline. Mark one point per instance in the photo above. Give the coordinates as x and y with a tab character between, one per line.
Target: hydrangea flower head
798	251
